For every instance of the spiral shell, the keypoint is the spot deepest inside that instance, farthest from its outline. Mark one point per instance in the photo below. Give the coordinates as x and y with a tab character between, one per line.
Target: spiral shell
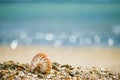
41	63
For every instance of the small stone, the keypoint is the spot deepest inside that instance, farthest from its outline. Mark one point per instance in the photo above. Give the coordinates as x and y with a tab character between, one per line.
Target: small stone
40	76
72	74
55	67
21	73
67	78
78	78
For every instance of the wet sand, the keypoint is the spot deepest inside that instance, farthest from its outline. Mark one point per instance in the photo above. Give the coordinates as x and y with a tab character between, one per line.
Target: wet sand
106	57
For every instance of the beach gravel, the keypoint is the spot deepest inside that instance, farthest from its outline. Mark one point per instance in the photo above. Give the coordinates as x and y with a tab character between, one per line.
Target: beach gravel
11	70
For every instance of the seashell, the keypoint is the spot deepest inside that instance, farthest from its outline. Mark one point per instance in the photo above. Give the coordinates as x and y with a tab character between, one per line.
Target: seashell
41	63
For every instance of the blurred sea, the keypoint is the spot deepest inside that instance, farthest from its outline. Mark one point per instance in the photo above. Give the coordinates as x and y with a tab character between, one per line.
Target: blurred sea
60	24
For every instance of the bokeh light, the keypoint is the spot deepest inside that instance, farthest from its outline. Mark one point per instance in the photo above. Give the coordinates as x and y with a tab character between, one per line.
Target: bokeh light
49	37
14	44
110	42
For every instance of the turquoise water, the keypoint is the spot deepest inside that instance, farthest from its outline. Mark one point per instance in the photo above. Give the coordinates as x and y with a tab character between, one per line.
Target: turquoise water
77	23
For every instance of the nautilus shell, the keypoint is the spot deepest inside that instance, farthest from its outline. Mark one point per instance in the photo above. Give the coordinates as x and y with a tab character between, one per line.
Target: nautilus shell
41	63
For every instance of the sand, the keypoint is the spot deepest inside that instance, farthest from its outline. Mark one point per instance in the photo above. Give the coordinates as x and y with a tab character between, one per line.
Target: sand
106	57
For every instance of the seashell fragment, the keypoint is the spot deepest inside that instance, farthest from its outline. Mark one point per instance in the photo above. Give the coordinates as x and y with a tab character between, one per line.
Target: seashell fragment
41	63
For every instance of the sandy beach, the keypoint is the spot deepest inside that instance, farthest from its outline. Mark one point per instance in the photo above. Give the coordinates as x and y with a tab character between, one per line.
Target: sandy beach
107	57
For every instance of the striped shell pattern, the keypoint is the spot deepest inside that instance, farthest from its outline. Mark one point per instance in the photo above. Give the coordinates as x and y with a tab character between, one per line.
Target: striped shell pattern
41	63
